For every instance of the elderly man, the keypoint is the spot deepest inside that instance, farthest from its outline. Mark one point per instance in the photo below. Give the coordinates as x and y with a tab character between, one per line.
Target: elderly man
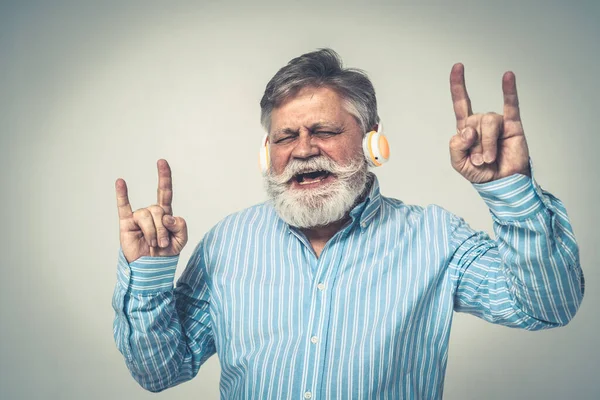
331	290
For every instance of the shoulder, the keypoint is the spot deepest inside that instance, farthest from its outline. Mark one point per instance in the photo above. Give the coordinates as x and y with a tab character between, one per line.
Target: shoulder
415	215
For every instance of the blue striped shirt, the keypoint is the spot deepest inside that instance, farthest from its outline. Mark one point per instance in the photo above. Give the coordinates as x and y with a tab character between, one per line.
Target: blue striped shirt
369	319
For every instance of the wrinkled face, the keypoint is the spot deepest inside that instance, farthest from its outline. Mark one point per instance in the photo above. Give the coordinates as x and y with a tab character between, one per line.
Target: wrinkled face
317	166
310	124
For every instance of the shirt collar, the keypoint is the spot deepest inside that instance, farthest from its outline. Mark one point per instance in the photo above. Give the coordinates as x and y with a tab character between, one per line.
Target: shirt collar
368	208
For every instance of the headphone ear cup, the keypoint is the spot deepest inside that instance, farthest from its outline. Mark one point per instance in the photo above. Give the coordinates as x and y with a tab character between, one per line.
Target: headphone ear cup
264	156
376	148
382	148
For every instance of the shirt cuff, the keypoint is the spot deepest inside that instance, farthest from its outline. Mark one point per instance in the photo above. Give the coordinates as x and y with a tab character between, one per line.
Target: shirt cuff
513	198
146	274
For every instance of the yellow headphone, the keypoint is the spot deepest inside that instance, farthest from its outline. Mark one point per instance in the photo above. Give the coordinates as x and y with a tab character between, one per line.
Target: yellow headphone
375	148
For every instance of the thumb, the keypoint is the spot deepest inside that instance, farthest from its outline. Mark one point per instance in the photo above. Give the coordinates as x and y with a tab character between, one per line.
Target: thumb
460	144
175	225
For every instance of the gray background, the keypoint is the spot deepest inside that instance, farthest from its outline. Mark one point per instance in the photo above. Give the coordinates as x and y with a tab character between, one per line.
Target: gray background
96	92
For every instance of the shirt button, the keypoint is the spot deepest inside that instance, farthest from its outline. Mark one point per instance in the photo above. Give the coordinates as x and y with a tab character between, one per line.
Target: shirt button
321	286
307	395
126	272
314	339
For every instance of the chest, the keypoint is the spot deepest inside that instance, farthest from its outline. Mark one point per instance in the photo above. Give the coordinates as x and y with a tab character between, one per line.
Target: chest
355	295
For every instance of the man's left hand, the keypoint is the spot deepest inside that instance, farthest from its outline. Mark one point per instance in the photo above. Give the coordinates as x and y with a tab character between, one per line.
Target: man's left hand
487	146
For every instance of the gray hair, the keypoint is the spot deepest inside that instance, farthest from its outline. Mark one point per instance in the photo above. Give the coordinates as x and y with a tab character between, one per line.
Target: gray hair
322	68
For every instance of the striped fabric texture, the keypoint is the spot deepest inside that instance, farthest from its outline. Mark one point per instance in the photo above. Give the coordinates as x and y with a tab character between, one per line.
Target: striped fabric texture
369	319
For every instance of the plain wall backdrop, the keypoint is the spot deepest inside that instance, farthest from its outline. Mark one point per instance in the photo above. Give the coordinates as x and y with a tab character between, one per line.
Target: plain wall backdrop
90	93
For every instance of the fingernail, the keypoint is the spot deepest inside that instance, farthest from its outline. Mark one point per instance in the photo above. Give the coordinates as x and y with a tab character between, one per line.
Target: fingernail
476	159
488	158
153	243
170	220
164	242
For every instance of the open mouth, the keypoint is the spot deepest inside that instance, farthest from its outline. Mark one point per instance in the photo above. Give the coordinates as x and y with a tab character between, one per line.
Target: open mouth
311	177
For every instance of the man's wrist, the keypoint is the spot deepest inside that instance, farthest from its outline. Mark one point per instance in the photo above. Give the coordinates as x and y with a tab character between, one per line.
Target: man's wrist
147	274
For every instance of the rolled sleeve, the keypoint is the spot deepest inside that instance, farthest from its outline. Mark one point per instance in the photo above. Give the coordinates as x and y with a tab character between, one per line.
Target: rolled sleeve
513	198
146	274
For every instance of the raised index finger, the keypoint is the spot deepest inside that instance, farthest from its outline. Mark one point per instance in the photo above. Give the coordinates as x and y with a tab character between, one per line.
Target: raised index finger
511	100
460	97
122	199
165	187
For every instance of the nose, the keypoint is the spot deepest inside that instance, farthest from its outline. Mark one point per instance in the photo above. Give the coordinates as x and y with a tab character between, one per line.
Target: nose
304	147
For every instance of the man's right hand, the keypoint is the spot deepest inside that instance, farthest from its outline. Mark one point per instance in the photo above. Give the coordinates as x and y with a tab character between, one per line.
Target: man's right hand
151	231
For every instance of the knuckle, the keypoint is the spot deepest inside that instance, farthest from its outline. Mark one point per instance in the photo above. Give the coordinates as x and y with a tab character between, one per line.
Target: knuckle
142	213
472	119
489	119
157	210
469	129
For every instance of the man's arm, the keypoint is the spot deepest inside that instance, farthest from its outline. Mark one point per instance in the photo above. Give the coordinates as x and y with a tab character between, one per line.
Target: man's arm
163	333
530	276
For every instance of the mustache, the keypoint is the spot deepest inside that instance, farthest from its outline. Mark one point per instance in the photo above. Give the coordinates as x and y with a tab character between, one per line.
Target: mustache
319	163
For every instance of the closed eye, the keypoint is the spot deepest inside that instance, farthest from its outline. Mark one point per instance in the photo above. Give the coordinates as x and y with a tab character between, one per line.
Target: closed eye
326	133
284	139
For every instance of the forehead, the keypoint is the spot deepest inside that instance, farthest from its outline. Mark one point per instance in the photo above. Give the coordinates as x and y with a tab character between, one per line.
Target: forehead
311	105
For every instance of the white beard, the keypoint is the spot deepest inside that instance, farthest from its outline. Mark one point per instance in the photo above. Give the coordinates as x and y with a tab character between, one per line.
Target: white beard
309	208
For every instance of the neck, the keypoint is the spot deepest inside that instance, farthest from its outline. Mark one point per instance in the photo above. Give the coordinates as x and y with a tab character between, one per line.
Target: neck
324	233
319	236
